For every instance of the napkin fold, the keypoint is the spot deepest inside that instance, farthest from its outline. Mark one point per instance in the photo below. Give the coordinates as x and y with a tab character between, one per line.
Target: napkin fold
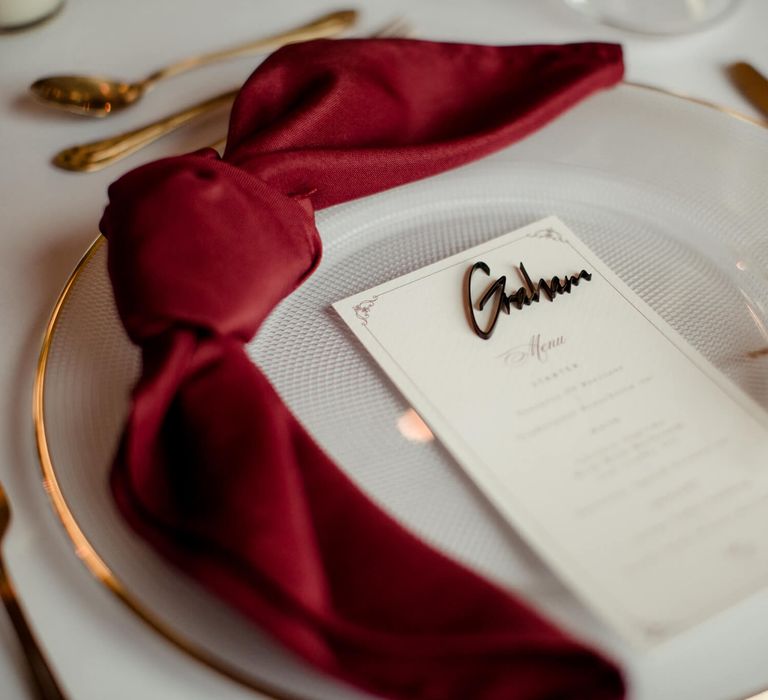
213	470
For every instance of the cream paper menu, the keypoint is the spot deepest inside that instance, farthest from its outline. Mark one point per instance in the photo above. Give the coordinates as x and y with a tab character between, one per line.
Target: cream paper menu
634	467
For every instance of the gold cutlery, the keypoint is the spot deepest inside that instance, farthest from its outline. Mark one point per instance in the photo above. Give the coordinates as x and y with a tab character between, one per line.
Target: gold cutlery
89	157
97	96
752	84
45	683
96	155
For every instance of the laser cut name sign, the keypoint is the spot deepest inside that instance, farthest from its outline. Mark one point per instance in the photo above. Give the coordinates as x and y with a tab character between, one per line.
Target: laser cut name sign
524	296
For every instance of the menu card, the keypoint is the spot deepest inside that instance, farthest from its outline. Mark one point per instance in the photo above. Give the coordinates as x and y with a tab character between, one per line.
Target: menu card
634	467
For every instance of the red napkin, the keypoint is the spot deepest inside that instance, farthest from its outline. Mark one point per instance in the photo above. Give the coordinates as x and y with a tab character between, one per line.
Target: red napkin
214	470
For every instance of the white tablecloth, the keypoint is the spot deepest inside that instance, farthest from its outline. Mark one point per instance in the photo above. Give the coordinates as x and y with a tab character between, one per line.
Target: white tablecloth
48	217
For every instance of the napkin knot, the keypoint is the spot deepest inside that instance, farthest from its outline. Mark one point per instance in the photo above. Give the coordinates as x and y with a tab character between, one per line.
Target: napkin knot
195	242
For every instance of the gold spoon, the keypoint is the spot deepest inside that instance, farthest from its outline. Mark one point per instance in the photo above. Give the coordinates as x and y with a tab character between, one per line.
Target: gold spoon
96	96
45	683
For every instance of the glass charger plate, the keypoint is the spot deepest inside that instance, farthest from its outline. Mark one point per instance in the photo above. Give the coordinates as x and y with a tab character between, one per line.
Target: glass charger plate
669	193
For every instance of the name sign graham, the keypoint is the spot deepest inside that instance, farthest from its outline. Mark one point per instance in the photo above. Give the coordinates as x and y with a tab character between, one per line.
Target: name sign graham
524	296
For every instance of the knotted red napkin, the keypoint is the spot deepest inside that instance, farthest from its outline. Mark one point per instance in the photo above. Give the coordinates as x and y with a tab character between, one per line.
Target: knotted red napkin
214	470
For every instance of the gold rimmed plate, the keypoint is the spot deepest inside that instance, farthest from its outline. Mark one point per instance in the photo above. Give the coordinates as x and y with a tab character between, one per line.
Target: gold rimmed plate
668	192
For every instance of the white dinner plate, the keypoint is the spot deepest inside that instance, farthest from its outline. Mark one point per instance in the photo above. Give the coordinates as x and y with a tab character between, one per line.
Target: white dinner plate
671	194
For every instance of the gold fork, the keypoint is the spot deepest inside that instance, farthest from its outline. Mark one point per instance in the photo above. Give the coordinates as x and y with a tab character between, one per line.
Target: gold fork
89	157
45	683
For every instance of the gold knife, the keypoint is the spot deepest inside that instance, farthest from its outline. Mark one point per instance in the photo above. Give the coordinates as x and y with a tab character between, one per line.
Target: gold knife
751	83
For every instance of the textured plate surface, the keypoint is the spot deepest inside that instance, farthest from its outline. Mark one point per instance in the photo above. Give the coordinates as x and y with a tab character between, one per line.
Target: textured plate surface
669	193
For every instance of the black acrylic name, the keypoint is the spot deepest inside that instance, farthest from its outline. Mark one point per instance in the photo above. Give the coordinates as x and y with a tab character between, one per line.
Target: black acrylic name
524	296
